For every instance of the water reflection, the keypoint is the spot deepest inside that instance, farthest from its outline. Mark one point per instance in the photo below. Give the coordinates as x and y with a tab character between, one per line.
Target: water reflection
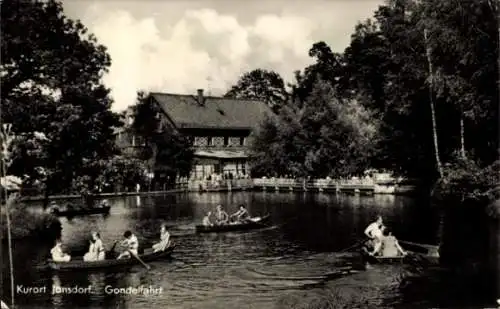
229	270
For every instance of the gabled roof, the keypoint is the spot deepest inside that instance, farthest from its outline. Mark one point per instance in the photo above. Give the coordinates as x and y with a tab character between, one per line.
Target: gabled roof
219	113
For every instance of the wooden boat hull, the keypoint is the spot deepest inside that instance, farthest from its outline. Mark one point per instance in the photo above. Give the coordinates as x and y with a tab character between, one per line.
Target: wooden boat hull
82	212
79	264
415	252
254	224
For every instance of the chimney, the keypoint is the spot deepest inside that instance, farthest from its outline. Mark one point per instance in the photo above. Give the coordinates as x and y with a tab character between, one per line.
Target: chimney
201	100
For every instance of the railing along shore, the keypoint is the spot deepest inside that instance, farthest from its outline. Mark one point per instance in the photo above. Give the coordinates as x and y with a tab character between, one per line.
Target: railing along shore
363	186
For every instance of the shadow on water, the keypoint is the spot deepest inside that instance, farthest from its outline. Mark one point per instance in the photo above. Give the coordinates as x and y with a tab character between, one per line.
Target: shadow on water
290	264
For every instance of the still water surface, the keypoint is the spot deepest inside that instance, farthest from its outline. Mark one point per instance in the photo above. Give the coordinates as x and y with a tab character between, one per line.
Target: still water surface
287	265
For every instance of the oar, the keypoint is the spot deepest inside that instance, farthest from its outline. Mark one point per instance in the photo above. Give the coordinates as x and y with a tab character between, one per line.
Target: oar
353	246
139	259
113	248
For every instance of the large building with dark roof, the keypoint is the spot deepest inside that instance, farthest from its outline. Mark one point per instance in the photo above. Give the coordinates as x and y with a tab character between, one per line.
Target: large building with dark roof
219	129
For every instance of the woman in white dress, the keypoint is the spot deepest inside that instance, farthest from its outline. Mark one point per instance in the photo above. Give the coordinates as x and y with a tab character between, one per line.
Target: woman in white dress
96	249
57	253
164	239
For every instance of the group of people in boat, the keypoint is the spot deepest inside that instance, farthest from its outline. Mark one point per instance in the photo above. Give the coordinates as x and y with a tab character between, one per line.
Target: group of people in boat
221	217
97	252
382	242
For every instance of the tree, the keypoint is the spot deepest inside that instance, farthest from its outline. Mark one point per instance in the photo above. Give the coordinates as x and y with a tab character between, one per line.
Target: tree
326	137
51	83
388	62
464	42
263	85
328	67
166	149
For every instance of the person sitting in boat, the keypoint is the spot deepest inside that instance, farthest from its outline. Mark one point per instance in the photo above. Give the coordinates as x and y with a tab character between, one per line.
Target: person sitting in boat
221	217
164	239
206	220
57	253
374	232
96	249
4	306
390	245
241	215
131	244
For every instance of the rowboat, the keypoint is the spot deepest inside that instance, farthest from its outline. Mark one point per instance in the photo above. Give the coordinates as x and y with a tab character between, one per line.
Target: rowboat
79	264
415	251
252	223
81	212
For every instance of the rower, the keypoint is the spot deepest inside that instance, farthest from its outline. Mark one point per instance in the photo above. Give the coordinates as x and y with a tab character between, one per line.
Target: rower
221	217
206	220
164	239
242	214
131	243
57	253
374	232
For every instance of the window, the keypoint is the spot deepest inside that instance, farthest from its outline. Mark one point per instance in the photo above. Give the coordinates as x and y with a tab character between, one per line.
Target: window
242	141
209	141
226	141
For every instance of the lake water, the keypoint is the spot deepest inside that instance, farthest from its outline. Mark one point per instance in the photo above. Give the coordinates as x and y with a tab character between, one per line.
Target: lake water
295	263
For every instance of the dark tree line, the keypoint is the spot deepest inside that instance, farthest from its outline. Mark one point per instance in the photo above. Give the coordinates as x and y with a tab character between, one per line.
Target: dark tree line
53	95
426	76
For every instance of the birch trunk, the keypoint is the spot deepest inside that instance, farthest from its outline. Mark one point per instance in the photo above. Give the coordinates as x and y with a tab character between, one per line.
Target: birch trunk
462	138
431	102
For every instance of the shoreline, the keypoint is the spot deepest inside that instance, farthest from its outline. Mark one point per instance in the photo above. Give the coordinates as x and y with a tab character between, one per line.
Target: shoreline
38	198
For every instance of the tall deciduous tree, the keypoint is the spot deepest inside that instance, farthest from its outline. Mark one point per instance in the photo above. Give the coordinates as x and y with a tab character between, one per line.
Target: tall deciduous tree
166	149
328	66
51	83
267	86
326	137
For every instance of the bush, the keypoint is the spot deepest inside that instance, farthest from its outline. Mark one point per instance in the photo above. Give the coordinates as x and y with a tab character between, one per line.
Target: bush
464	182
25	223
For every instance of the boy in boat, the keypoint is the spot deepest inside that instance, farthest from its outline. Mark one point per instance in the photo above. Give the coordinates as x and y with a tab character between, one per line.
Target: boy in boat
164	239
132	245
221	217
374	232
57	253
241	215
96	249
390	245
206	220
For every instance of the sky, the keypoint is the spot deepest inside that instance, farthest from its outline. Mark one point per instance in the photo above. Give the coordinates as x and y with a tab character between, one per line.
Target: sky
180	46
